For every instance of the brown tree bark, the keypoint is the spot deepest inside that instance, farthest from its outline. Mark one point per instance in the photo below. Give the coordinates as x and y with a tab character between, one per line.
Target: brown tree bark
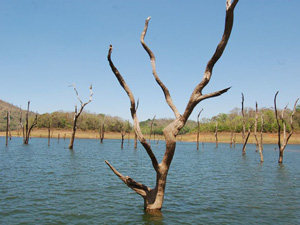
135	140
102	132
77	114
7	126
282	144
258	142
244	137
216	135
198	128
122	138
153	197
27	129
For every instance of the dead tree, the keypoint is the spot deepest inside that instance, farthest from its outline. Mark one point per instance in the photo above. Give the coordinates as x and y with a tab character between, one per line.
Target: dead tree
7	126
102	131
123	133
216	135
135	140
198	128
244	137
153	197
258	142
283	144
27	129
77	114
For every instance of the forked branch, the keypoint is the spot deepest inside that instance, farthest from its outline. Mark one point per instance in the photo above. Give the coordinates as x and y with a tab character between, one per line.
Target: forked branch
283	144
197	95
81	103
133	111
136	186
153	64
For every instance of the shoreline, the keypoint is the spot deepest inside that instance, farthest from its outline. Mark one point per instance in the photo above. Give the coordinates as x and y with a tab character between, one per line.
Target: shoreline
206	137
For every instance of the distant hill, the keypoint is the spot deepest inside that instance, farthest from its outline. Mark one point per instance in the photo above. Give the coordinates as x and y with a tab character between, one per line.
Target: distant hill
14	115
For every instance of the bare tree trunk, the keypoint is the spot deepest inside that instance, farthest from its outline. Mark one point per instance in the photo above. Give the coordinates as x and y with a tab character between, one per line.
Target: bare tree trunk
261	133
77	114
245	138
153	198
58	136
198	128
7	127
258	143
102	131
122	136
9	131
283	144
74	128
244	126
135	140
216	135
27	129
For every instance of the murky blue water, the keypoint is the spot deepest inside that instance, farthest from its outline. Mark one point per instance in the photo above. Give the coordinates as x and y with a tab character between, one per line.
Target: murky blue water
52	185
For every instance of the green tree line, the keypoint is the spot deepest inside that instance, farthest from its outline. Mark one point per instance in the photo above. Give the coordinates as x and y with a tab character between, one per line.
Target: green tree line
231	121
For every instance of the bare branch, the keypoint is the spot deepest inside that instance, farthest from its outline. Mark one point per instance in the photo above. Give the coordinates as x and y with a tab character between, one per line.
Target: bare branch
153	64
291	121
277	120
133	111
136	186
197	96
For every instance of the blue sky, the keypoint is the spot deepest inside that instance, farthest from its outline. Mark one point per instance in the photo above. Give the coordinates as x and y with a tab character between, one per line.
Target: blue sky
47	45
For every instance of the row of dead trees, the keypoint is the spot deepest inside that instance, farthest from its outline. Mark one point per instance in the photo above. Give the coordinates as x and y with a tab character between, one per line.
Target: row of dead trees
281	123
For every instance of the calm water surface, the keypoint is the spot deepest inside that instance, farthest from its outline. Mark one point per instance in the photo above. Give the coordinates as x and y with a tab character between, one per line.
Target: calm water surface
52	185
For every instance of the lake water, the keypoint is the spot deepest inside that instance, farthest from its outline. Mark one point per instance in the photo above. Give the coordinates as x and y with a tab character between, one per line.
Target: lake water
52	185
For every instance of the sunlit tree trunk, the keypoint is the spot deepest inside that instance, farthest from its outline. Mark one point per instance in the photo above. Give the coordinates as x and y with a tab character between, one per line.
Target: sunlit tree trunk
7	126
153	197
77	114
27	129
258	142
245	138
216	135
283	144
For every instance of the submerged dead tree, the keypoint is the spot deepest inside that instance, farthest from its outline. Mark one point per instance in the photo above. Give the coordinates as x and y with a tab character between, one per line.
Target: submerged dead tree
102	131
7	126
259	143
216	135
153	197
27	129
77	114
244	137
198	128
283	144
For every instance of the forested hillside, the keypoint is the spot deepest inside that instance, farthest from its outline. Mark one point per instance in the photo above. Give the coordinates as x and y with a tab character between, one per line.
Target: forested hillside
92	121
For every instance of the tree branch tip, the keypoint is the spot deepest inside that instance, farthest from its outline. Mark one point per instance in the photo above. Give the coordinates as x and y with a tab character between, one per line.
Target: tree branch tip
148	18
